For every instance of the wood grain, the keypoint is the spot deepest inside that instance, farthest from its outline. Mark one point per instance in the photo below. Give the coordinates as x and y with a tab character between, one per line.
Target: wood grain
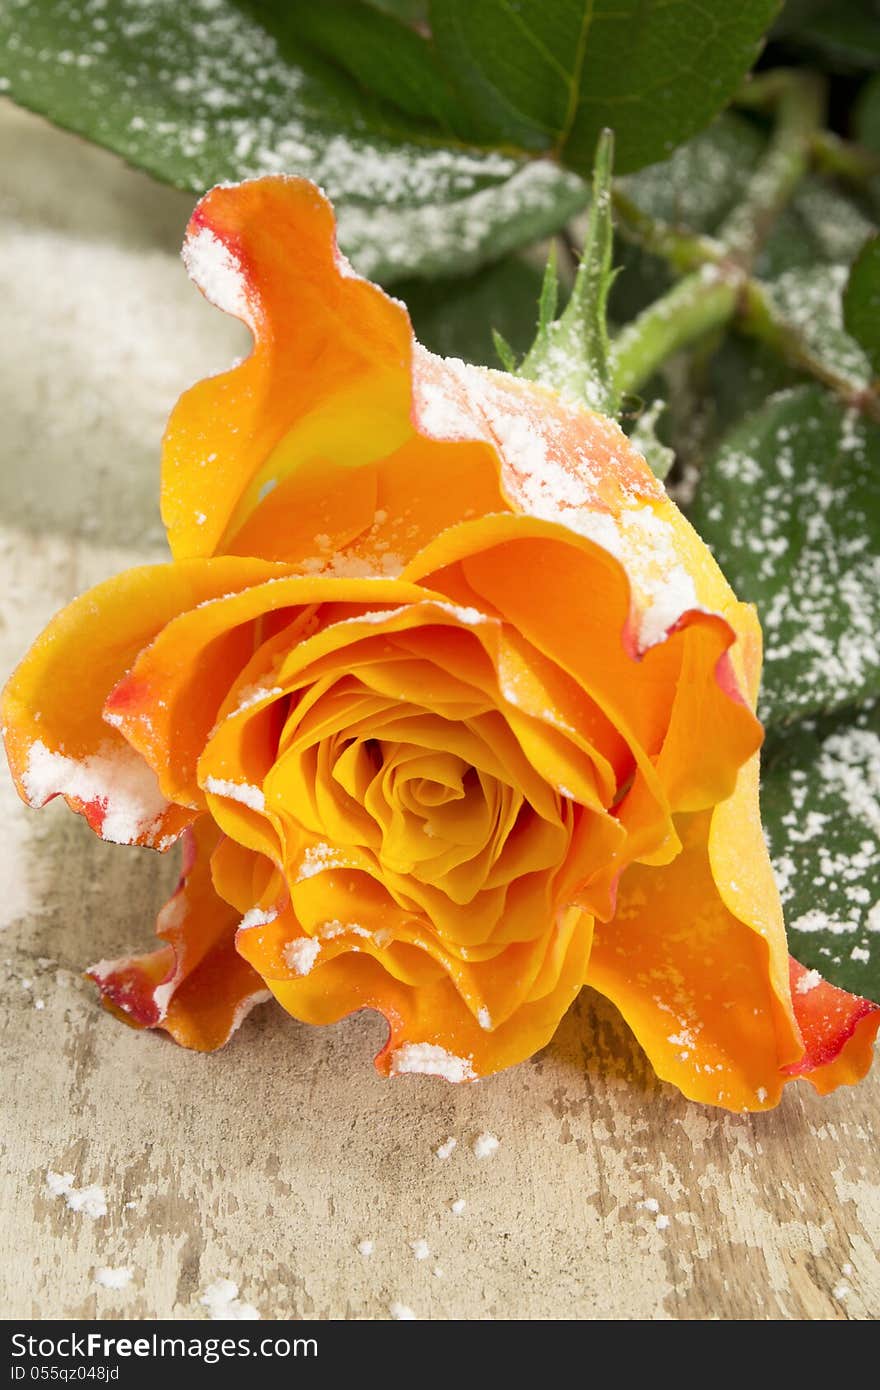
268	1162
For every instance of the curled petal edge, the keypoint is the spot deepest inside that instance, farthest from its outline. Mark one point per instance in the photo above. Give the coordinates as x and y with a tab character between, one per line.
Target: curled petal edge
838	1030
196	987
431	1029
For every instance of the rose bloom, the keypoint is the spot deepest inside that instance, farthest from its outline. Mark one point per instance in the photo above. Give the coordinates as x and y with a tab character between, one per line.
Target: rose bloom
452	708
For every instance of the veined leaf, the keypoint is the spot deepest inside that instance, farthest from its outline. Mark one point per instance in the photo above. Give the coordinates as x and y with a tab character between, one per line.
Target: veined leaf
201	93
820	802
385	57
811	300
861	302
455	318
702	181
554	75
790	504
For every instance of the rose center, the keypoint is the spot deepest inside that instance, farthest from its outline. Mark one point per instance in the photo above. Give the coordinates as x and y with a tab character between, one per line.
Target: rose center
433	810
441	807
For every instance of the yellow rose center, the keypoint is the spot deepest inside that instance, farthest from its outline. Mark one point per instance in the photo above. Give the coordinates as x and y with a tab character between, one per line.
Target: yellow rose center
434	808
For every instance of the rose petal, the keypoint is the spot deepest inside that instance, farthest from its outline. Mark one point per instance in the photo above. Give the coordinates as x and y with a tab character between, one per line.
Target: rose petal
57	739
432	1030
196	987
519	569
696	961
558	461
168	702
326	379
838	1030
341	436
308	448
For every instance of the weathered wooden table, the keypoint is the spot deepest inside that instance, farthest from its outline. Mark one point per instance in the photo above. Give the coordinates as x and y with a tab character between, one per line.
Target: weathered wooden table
270	1162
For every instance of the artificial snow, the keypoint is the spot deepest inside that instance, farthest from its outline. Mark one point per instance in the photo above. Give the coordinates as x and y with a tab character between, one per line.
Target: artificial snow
401	1312
301	954
243	792
808	982
430	1060
217	272
547	473
257	917
251	695
116	779
91	1201
110	1278
484	1145
317	859
222	1301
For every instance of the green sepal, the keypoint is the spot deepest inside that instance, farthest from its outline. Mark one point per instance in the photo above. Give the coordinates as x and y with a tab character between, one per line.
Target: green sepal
658	456
572	353
506	354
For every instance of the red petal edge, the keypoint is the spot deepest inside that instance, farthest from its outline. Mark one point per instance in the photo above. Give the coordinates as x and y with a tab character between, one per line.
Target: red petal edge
828	1018
196	986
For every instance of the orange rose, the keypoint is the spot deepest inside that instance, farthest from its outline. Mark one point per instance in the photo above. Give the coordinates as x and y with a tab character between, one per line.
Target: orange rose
452	706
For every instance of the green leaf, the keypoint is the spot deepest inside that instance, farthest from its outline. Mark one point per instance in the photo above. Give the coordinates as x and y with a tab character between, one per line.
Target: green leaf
384	56
572	353
861	301
554	75
455	318
811	300
821	224
695	189
643	435
439	237
704	179
411	11
549	298
742	373
505	353
820	802
201	93
790	504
